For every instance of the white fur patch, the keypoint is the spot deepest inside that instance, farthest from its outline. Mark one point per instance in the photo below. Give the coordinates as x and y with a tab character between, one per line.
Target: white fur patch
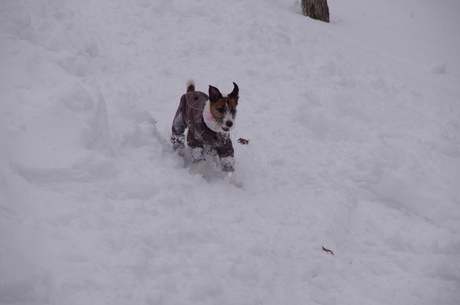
209	119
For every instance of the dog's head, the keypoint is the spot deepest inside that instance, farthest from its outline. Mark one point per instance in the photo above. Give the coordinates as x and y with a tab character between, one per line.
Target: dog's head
222	109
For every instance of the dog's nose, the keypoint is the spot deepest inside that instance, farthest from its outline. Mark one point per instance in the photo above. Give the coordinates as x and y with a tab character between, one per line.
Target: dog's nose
229	123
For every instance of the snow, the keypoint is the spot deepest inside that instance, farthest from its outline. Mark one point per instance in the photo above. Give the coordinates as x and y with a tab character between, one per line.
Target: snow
354	145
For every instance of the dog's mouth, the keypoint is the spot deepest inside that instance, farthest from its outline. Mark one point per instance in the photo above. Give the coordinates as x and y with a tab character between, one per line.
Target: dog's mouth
225	129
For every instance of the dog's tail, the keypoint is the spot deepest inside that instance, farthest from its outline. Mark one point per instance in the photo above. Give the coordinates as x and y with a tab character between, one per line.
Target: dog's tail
190	85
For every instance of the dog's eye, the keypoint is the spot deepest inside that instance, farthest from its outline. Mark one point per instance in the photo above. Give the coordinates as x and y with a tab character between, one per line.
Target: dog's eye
221	109
233	111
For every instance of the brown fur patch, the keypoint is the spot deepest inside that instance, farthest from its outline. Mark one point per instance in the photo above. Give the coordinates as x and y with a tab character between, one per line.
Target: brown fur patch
232	102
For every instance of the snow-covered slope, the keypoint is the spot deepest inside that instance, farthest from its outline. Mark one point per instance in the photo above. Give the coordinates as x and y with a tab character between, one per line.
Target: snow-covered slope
354	145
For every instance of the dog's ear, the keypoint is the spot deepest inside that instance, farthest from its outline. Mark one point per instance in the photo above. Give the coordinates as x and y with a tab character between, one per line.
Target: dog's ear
235	92
214	94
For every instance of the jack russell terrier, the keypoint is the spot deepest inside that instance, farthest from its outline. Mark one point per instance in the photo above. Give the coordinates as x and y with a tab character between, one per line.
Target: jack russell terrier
209	119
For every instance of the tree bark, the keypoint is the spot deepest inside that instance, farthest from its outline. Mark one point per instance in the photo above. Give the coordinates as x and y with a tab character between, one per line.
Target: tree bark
316	9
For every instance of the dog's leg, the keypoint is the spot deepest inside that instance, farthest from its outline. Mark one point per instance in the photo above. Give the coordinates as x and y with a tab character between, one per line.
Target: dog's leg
227	165
200	160
201	168
180	151
216	160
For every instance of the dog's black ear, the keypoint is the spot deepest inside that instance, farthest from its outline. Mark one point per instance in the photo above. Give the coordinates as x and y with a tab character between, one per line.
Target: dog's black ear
235	91
214	94
234	94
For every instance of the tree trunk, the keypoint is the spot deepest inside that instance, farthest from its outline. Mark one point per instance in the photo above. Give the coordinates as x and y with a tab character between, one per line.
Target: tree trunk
316	9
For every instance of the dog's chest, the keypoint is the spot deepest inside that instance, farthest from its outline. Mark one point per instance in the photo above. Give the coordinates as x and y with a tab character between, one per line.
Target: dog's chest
197	129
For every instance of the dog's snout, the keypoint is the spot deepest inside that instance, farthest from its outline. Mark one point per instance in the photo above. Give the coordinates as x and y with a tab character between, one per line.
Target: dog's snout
229	123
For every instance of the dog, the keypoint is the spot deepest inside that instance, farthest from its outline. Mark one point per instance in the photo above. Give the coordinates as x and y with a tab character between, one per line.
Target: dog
209	119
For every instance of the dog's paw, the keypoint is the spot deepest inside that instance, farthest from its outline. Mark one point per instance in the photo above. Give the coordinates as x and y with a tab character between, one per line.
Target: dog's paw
236	183
180	152
233	181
